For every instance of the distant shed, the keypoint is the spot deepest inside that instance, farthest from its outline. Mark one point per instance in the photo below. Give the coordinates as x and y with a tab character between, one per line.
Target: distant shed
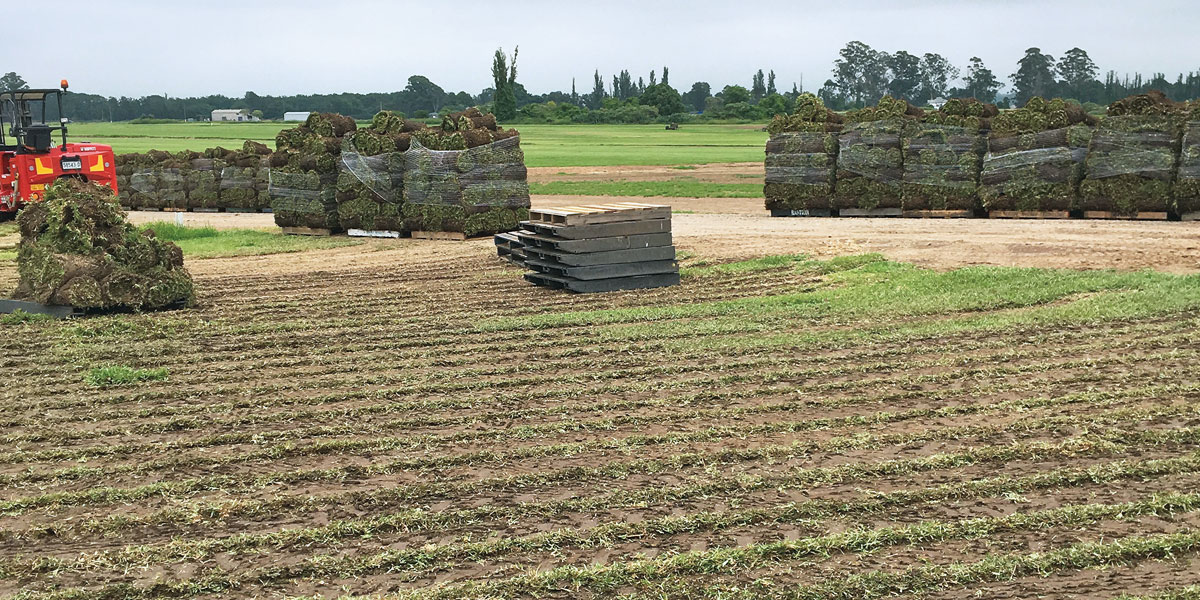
295	115
233	114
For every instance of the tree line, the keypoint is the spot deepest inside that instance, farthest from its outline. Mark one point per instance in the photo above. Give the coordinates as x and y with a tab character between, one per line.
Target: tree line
859	77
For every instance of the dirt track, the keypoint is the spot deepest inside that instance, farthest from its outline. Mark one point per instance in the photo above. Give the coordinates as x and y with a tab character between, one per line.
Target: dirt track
728	229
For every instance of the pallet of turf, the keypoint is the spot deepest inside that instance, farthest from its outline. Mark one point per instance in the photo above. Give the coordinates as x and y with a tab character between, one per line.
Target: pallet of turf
1034	160
870	161
600	248
801	160
942	158
370	184
1132	159
302	182
464	179
1187	182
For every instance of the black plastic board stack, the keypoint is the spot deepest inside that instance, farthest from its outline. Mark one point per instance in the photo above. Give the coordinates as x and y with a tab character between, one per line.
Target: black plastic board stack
600	248
510	248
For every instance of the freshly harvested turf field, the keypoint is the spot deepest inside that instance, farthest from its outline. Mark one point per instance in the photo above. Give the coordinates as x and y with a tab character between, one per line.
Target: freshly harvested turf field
416	422
544	145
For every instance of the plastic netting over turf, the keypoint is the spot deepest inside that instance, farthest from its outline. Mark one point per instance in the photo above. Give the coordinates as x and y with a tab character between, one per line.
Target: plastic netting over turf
476	191
800	169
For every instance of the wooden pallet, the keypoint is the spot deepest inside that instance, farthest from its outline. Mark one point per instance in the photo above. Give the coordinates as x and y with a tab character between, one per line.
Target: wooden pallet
595	214
373	233
1029	214
640	282
206	209
1141	216
454	236
801	212
247	210
306	231
1192	216
871	212
939	214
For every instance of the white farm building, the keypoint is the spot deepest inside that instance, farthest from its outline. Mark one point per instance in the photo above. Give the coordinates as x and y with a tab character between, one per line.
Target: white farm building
295	115
237	115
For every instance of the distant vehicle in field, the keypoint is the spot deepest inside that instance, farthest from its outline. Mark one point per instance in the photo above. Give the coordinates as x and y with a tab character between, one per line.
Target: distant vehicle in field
672	126
31	162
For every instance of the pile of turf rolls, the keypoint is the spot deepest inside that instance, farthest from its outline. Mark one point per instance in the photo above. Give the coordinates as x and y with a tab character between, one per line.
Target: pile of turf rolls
370	183
801	157
1132	158
304	172
870	162
1035	154
243	176
1187	183
466	176
943	154
78	250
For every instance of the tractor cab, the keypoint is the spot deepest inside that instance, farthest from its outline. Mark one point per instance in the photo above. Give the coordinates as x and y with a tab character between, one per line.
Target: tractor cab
23	120
29	159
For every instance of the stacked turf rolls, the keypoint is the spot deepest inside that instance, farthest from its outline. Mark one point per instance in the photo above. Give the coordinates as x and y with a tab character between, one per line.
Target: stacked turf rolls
1133	155
370	186
304	172
870	163
213	180
468	176
801	157
1187	183
78	250
1034	159
942	154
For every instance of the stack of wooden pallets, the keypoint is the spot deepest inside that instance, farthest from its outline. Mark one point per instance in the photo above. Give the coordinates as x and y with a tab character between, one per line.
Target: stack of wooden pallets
600	248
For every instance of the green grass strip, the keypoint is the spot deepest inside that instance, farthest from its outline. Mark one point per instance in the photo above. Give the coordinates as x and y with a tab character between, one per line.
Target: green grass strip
673	188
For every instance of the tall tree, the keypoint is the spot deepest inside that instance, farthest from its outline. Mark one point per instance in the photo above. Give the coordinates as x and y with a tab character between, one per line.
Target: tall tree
652	80
758	88
860	73
698	95
906	76
980	81
734	93
666	75
664	98
596	99
504	75
936	75
574	95
1077	71
1034	76
12	81
771	83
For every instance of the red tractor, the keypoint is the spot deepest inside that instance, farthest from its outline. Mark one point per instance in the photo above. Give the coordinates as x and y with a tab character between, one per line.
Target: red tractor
32	162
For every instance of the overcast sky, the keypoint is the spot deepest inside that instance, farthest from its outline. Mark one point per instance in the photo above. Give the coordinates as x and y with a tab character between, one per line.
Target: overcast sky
135	47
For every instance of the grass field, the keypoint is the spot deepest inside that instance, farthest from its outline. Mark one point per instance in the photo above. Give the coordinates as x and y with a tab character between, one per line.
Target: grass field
677	188
420	425
207	242
544	145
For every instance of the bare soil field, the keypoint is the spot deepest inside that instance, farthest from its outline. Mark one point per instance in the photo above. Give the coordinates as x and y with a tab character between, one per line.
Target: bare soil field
411	420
